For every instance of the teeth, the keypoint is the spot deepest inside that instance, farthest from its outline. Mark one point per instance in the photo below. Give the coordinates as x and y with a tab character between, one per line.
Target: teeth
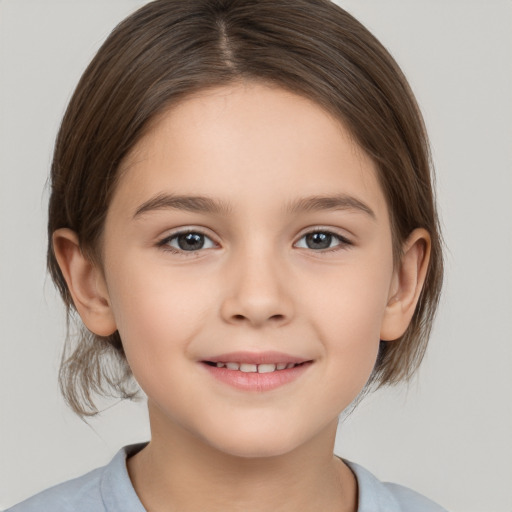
248	368
255	368
266	368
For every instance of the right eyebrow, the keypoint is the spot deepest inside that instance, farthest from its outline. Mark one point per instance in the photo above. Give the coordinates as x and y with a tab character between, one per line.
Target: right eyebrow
198	204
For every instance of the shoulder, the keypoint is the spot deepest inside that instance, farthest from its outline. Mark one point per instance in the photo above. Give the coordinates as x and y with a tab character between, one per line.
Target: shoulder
377	496
106	489
79	494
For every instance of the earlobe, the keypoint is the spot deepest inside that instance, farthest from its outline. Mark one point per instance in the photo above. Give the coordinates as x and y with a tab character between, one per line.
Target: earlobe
85	282
407	284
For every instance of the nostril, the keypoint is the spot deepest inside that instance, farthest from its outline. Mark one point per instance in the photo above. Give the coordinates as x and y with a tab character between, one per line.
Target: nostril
275	318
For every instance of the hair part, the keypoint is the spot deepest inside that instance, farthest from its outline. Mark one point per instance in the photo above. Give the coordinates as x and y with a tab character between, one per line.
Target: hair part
170	49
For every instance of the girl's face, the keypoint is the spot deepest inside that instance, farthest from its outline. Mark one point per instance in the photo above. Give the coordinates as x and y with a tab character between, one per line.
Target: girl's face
248	228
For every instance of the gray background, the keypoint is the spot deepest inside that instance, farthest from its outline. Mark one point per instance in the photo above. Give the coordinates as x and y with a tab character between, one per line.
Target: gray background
449	434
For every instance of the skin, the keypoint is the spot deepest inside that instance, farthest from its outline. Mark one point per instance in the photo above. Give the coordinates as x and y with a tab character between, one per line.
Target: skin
255	286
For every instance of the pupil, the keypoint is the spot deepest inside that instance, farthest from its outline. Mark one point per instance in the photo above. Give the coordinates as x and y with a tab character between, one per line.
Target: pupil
318	240
191	241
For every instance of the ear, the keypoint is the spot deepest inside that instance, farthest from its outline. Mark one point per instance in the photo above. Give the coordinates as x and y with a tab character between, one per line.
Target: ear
406	285
85	282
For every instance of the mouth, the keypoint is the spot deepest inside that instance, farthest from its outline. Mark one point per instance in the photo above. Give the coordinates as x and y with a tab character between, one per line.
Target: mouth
256	371
254	368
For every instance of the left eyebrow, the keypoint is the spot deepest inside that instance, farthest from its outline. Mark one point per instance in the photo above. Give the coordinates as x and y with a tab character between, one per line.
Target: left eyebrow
338	202
198	204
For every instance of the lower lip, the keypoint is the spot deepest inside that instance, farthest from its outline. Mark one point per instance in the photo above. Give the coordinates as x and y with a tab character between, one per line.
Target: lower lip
253	381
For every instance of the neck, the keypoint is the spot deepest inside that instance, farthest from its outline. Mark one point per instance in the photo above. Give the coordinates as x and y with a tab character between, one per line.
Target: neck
177	471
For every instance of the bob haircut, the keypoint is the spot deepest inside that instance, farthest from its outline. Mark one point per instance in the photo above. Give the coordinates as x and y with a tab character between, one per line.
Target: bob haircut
169	49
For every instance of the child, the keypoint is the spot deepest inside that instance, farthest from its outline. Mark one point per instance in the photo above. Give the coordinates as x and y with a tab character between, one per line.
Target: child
242	216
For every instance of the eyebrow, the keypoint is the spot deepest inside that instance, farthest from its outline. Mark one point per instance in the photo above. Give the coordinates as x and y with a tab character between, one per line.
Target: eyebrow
204	204
337	202
198	204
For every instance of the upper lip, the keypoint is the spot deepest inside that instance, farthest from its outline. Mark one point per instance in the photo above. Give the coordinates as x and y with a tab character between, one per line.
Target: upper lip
256	358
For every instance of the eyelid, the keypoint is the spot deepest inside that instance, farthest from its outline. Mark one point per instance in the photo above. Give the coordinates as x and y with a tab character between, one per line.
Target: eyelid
344	241
163	242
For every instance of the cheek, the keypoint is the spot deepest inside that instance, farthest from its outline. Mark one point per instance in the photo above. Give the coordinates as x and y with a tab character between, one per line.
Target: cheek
157	314
347	312
350	301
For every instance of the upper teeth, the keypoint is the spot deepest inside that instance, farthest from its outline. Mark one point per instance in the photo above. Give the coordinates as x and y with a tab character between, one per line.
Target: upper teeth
255	368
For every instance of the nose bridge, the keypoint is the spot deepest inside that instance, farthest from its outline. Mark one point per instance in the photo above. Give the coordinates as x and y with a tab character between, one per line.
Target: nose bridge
258	292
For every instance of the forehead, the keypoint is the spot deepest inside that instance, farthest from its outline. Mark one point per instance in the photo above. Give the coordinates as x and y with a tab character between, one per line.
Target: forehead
249	139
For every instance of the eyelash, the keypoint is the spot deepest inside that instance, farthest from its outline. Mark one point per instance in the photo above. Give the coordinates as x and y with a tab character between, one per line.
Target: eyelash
165	243
343	243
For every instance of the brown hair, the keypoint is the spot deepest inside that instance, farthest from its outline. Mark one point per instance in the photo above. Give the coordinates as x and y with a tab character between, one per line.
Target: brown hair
171	48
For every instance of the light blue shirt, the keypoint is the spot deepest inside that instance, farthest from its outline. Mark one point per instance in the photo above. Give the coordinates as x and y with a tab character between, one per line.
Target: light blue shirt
109	489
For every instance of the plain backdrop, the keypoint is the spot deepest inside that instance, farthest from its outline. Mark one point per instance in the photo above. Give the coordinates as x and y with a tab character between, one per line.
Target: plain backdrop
449	435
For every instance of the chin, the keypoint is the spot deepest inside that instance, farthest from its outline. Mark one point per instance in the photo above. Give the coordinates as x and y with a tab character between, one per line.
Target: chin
257	442
258	450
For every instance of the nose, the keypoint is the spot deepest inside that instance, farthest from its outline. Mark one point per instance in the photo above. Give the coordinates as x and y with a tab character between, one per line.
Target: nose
257	292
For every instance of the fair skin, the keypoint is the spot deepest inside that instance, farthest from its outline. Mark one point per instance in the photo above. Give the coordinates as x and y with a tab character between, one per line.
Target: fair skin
252	280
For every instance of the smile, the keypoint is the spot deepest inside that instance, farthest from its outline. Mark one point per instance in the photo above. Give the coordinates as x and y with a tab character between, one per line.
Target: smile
254	368
256	372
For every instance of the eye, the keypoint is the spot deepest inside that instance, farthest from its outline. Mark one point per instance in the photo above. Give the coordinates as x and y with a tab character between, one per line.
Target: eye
321	240
188	241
